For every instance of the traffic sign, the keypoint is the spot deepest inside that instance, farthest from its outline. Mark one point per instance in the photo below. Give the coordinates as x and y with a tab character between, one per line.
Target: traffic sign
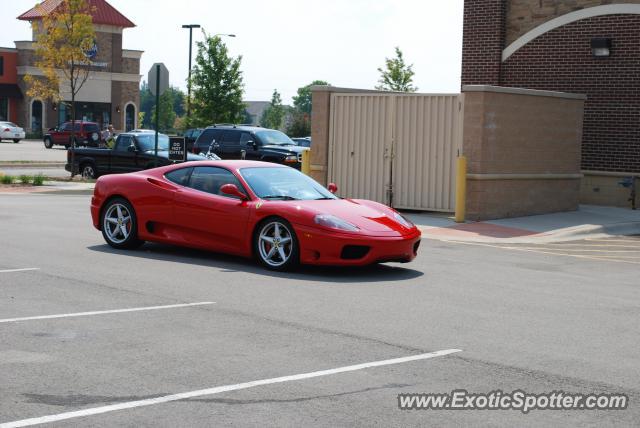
163	84
177	149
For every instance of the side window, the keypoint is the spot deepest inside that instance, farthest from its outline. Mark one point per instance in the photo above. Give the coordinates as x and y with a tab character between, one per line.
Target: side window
208	135
76	127
67	127
231	138
179	176
209	179
123	142
245	137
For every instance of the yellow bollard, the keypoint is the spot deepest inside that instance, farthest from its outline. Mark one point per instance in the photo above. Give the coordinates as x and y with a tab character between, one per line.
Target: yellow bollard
306	162
461	189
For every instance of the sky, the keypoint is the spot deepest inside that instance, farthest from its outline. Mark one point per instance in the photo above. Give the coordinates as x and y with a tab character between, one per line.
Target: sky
286	44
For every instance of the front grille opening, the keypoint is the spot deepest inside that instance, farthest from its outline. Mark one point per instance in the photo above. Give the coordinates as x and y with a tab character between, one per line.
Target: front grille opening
354	252
415	247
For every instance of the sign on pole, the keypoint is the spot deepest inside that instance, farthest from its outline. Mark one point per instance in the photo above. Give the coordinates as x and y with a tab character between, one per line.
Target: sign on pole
163	77
158	83
177	149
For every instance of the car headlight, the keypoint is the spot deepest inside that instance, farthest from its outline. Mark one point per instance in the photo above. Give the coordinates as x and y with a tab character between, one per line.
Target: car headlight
403	220
333	222
291	158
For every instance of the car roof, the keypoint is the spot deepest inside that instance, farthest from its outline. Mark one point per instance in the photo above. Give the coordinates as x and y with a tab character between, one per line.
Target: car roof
240	127
232	164
135	133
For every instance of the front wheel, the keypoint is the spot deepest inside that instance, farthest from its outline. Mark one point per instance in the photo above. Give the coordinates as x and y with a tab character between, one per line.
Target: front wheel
120	225
48	143
16	140
276	245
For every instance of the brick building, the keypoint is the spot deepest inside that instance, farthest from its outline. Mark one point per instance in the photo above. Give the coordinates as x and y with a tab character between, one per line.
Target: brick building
589	47
111	95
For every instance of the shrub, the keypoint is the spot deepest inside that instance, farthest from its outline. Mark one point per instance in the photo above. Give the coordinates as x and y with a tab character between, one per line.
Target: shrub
25	179
7	179
38	180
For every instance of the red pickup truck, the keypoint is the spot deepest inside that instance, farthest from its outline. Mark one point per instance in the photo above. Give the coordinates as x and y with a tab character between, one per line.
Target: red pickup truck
86	134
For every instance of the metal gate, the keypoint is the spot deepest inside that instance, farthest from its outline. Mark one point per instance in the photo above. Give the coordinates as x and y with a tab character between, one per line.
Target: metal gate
398	149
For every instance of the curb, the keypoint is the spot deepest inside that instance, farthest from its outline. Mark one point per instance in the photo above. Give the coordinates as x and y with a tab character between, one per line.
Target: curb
575	233
30	165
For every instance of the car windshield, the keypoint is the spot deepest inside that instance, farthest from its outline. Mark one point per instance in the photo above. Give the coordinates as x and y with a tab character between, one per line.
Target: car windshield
147	142
272	137
283	183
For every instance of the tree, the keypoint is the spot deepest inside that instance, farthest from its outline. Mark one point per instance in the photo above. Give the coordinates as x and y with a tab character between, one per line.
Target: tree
147	104
397	76
273	115
300	125
64	39
302	102
167	115
216	84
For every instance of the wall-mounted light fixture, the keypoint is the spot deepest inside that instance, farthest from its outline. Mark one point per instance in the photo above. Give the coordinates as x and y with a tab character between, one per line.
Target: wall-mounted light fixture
117	109
601	47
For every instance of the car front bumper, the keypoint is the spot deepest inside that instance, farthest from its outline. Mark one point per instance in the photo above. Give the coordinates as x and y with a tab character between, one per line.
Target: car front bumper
322	248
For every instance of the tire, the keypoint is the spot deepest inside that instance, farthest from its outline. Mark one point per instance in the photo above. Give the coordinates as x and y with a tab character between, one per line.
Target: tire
88	170
269	252
16	141
48	143
113	220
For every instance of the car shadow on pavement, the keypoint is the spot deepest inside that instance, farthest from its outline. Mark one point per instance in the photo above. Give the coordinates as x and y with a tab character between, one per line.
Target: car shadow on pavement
228	264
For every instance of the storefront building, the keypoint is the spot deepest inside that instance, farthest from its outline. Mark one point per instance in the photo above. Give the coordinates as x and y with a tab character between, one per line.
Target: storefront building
111	95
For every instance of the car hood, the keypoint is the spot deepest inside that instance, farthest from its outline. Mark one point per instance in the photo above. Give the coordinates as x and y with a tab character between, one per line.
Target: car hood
285	149
367	215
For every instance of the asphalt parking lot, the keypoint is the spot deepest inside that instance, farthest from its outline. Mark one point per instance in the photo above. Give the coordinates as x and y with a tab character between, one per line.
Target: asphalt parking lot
94	336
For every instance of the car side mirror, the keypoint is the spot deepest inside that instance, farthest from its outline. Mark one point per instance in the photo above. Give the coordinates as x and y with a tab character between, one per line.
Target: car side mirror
131	148
332	187
232	190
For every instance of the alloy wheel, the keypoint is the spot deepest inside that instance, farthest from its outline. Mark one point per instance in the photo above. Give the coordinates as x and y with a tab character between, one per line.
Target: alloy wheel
117	223
275	244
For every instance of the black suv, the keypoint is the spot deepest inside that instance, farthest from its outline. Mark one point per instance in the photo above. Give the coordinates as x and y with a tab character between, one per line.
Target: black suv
269	145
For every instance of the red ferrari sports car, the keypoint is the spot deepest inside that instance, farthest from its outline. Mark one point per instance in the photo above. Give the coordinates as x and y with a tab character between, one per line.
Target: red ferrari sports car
249	208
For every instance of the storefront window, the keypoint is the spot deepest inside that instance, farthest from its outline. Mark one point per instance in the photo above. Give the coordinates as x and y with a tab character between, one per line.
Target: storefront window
36	116
130	117
4	108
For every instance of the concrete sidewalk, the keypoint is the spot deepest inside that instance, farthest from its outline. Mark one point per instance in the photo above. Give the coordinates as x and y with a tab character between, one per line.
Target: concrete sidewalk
50	186
588	222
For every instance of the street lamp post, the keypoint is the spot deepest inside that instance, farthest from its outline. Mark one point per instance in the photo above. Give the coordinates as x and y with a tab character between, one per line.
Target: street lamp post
191	27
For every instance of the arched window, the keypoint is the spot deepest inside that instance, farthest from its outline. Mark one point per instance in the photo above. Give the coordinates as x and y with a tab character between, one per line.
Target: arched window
130	117
36	116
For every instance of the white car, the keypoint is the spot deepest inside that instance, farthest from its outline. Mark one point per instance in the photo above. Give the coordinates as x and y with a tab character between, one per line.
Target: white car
11	131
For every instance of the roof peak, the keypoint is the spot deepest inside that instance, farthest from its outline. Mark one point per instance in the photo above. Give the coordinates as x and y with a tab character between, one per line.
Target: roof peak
102	13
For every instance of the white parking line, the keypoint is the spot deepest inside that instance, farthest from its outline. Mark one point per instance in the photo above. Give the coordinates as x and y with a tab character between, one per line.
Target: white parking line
219	389
113	311
18	270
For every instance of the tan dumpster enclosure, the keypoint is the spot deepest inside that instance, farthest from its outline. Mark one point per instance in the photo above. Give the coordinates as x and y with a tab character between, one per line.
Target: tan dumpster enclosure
523	148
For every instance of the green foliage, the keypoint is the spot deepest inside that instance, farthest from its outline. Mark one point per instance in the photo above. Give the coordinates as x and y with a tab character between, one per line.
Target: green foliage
396	76
273	115
173	96
167	114
63	37
300	125
25	179
8	179
38	180
216	84
302	102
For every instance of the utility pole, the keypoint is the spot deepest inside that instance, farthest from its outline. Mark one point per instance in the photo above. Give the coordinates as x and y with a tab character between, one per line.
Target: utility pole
190	27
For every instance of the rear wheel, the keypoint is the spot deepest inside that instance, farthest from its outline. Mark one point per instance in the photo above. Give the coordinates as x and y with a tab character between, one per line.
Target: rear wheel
88	171
120	225
48	143
16	140
276	245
